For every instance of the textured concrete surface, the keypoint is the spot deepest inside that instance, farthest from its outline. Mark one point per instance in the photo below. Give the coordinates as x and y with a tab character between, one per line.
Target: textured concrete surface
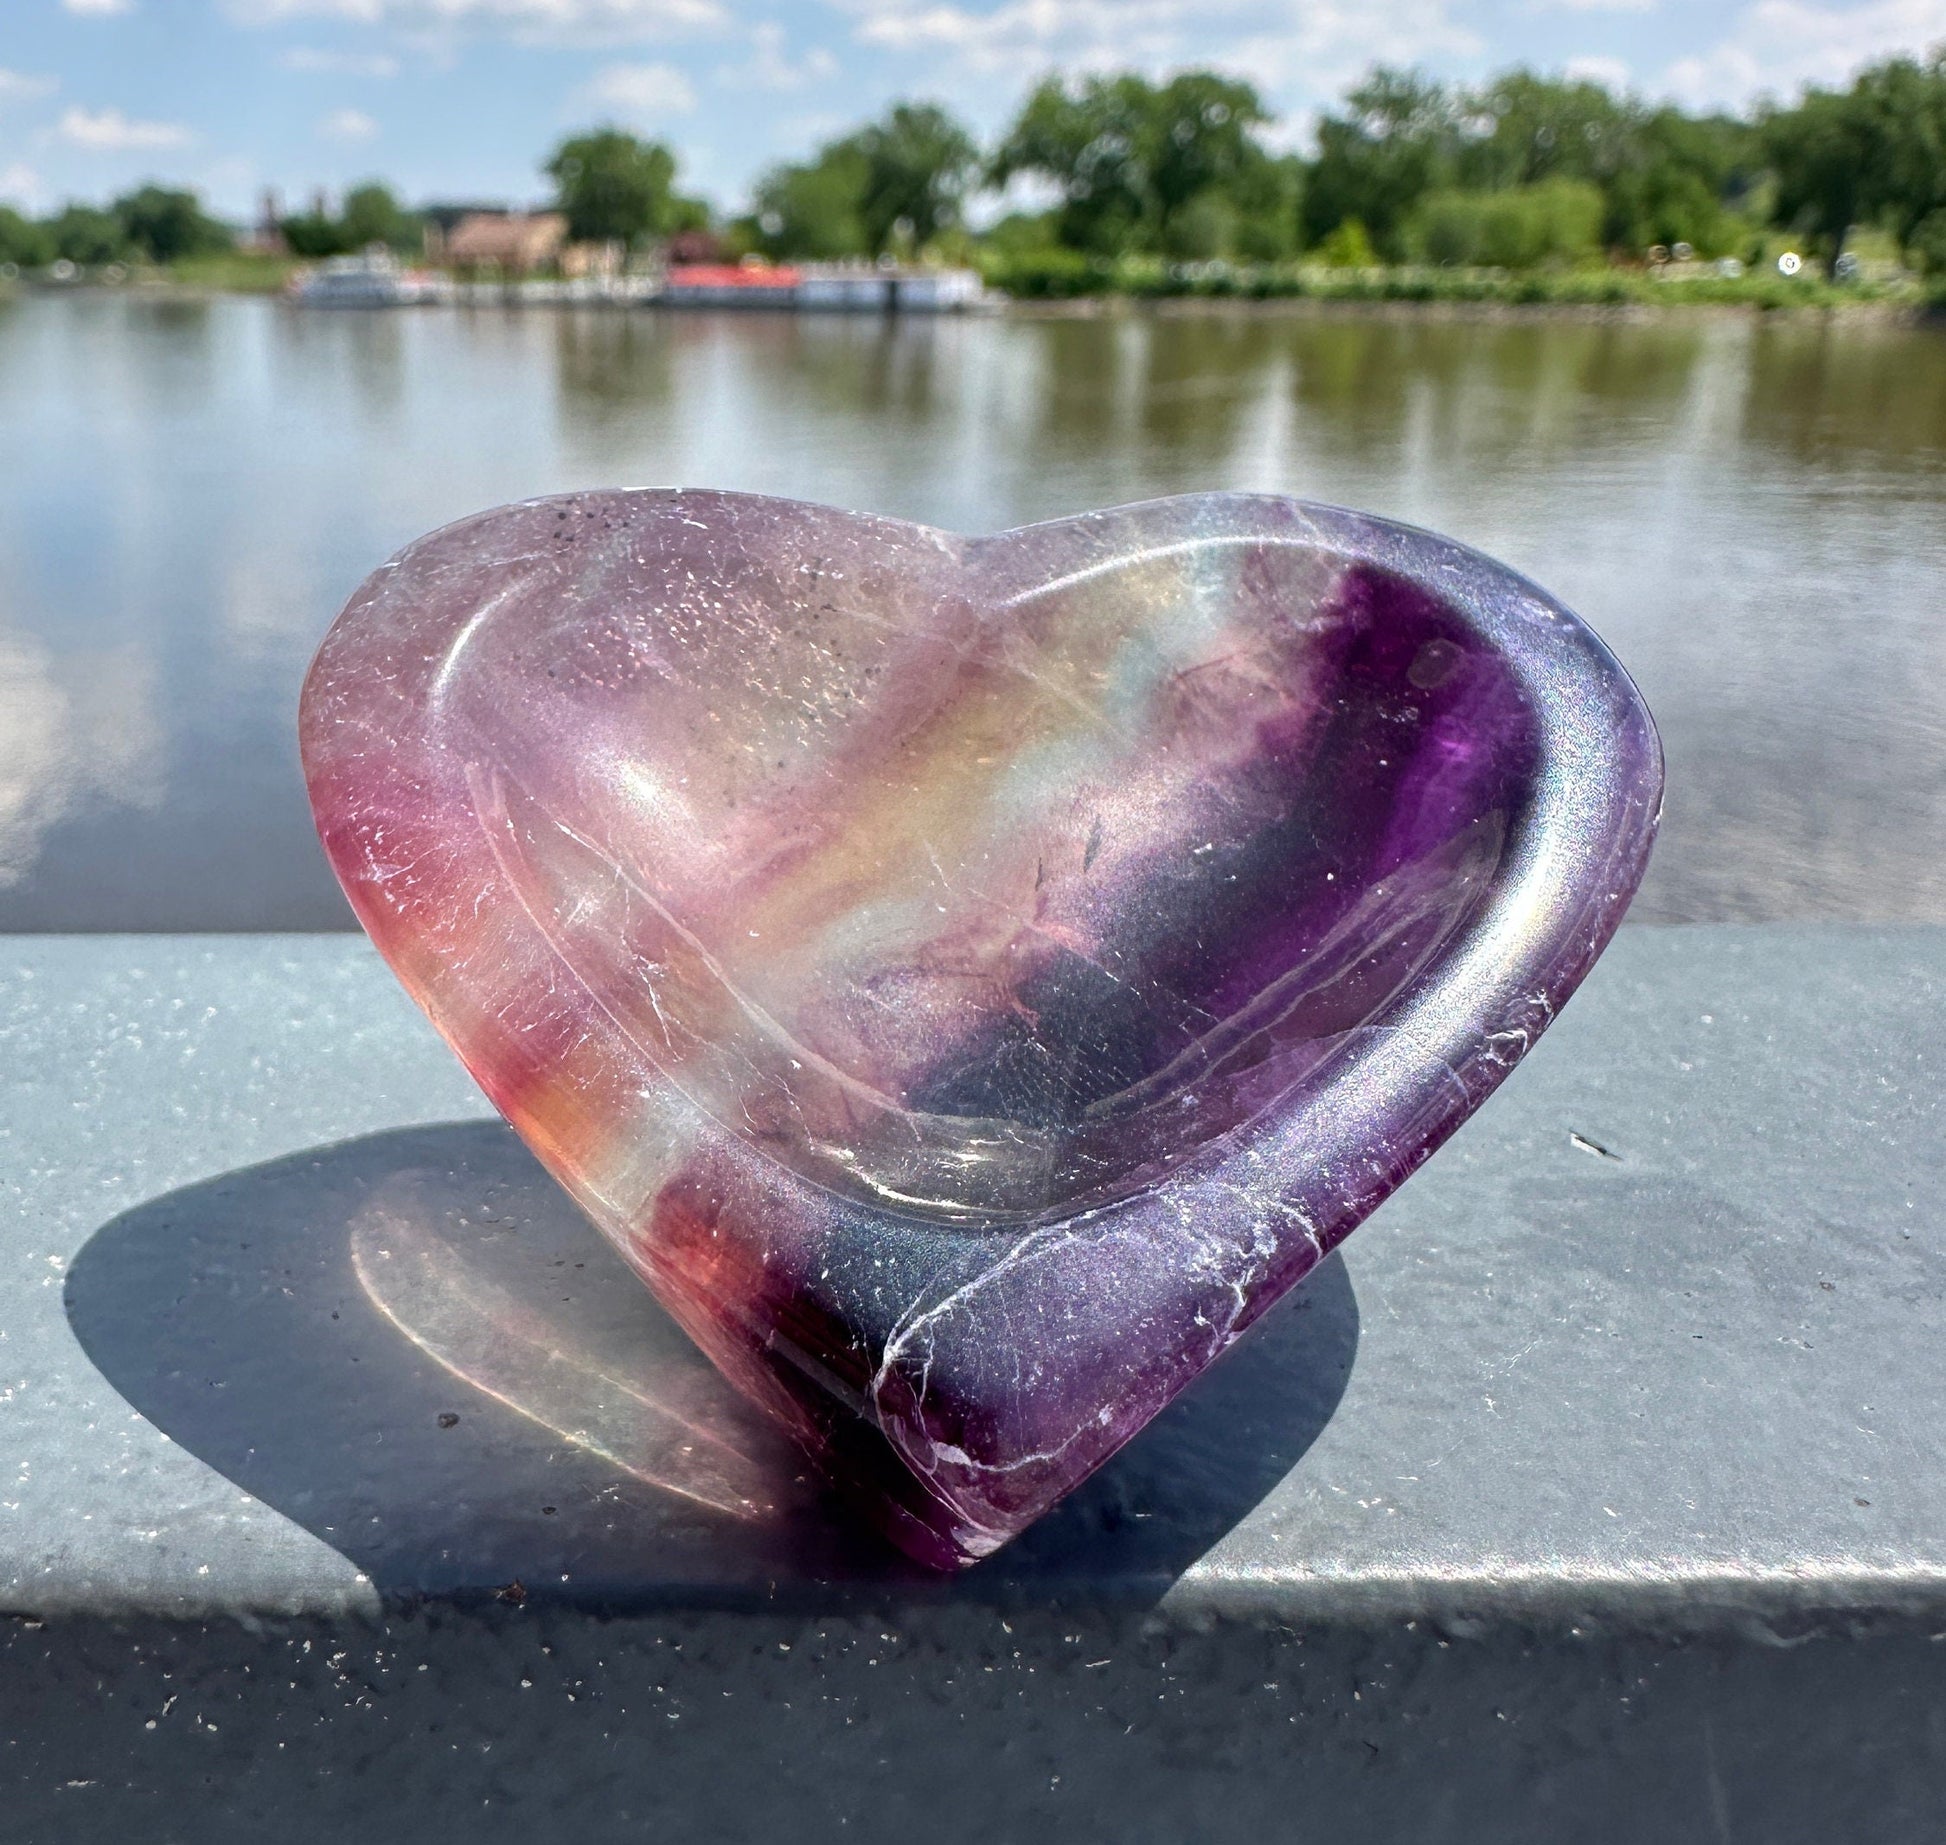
1594	1490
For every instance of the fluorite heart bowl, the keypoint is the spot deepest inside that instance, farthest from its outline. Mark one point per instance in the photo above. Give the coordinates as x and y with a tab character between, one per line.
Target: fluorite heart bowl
971	979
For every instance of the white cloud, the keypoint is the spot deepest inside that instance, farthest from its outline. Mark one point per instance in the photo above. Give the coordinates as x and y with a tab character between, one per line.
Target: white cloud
17	87
99	9
1776	46
1032	193
770	67
347	125
639	92
20	185
568	21
1593	6
312	62
109	131
72	729
1312	50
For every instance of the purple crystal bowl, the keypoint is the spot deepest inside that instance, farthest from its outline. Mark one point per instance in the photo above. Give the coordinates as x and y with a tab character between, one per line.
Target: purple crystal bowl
971	979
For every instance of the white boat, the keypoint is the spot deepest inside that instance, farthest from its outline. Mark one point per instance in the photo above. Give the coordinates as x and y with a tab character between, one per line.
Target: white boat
937	291
849	287
372	278
889	287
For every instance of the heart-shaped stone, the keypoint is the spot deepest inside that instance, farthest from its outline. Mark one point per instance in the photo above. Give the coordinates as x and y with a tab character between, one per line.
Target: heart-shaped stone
971	979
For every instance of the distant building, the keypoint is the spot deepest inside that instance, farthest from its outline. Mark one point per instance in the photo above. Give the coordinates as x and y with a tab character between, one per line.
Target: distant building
602	260
442	214
509	242
266	236
697	246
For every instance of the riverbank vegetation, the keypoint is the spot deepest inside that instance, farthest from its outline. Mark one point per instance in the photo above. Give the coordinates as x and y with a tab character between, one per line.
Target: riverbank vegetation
1524	188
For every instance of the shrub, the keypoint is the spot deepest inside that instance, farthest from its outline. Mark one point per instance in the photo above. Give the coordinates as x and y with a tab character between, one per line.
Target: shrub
164	223
1048	275
1349	246
314	235
1927	246
22	241
1523	227
90	237
1204	228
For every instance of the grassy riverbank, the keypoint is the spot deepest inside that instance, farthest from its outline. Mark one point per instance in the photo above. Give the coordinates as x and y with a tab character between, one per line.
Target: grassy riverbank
232	272
1061	276
1058	280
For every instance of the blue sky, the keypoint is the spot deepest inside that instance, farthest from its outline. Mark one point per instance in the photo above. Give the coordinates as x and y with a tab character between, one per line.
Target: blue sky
462	98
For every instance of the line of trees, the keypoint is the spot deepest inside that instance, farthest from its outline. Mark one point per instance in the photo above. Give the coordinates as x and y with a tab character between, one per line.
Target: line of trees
369	214
164	224
157	224
1520	172
1523	171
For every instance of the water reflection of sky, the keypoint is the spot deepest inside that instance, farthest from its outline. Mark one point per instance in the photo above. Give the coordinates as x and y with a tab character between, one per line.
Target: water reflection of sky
1752	513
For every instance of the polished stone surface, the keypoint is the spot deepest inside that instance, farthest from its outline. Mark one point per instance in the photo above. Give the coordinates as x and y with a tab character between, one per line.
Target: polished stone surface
971	980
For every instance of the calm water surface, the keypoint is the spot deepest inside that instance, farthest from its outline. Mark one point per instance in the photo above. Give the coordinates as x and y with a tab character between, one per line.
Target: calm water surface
1753	515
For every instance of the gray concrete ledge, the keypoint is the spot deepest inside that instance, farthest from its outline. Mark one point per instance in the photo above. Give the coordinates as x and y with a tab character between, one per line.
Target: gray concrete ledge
1596	1487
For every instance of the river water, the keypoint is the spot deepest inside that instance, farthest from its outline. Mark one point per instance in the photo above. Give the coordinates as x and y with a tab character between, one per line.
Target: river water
1753	513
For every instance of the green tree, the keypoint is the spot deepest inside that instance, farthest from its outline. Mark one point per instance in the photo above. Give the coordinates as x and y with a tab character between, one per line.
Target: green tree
1686	179
87	235
1200	140
688	213
1829	158
163	224
1663	176
1203	228
1519	227
372	214
1399	137
901	180
814	210
1268	194
22	241
1875	152
1022	234
1526	128
1907	103
615	188
1927	245
1087	144
315	234
917	163
1175	167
